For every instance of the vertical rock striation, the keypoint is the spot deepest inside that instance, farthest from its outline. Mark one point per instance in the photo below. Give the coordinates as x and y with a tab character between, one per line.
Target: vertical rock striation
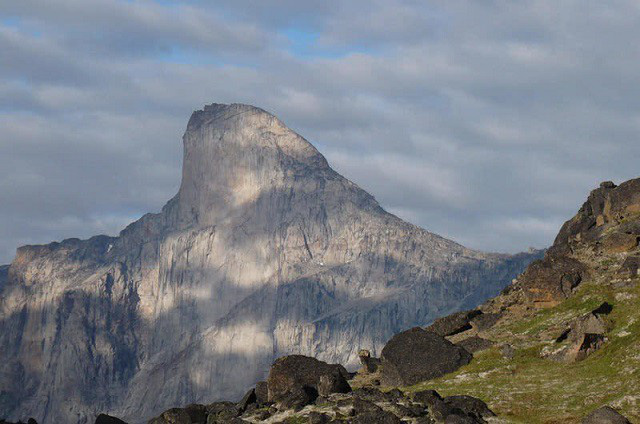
264	251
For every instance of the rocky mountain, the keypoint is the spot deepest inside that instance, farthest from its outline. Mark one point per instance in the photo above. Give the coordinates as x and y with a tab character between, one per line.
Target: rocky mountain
559	345
264	251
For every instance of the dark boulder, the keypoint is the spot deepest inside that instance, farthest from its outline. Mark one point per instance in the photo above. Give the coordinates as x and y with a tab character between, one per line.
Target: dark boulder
369	363
262	392
361	406
470	406
630	266
475	344
222	412
318	418
417	355
297	398
584	335
297	371
332	383
551	279
248	399
197	413
376	417
372	394
605	415
605	308
172	416
454	323
426	397
461	419
485	321
106	419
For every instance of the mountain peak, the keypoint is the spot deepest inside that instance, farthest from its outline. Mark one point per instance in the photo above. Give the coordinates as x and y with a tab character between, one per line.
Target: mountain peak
236	154
221	112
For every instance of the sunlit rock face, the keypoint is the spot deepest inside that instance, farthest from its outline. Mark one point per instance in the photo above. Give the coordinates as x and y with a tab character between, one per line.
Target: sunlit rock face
264	251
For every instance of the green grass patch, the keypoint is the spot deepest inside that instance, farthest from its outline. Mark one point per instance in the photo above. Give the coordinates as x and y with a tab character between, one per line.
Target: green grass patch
530	389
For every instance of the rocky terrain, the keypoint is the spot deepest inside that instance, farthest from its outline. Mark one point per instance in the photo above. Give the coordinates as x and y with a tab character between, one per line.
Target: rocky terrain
264	252
559	345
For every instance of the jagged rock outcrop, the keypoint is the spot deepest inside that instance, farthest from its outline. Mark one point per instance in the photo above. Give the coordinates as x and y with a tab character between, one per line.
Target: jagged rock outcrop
264	251
608	220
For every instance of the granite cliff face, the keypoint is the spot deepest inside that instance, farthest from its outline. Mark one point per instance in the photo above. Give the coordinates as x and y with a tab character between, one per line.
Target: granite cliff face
264	251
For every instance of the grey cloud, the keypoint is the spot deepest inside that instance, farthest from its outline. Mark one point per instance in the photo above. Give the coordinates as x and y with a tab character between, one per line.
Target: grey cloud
481	122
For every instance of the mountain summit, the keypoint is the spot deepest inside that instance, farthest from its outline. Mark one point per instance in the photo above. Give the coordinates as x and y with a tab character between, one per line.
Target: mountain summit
264	251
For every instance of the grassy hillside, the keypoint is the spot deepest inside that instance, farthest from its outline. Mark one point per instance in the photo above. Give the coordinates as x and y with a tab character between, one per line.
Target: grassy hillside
530	389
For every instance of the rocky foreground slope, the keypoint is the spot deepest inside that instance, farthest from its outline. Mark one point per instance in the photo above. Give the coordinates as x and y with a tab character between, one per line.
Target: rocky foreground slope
265	251
560	345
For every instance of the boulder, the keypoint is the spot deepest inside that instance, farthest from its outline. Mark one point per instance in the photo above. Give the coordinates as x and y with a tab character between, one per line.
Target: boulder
417	355
297	398
552	279
630	266
249	398
485	321
470	406
298	371
222	412
372	394
106	419
369	363
461	419
507	351
332	383
454	323
475	344
318	418
262	392
376	417
605	415
585	335
172	416
605	308
361	406
426	397
197	413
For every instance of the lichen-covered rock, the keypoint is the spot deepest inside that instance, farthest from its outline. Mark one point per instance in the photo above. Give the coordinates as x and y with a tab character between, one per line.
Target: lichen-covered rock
470	406
454	323
298	371
417	355
262	392
485	321
552	279
475	344
172	416
197	413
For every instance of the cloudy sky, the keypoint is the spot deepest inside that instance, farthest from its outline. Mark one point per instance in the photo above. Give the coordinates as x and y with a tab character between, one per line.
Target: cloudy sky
484	121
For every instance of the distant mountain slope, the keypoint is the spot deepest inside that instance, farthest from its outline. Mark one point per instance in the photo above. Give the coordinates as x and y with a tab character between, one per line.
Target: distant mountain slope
567	335
264	251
